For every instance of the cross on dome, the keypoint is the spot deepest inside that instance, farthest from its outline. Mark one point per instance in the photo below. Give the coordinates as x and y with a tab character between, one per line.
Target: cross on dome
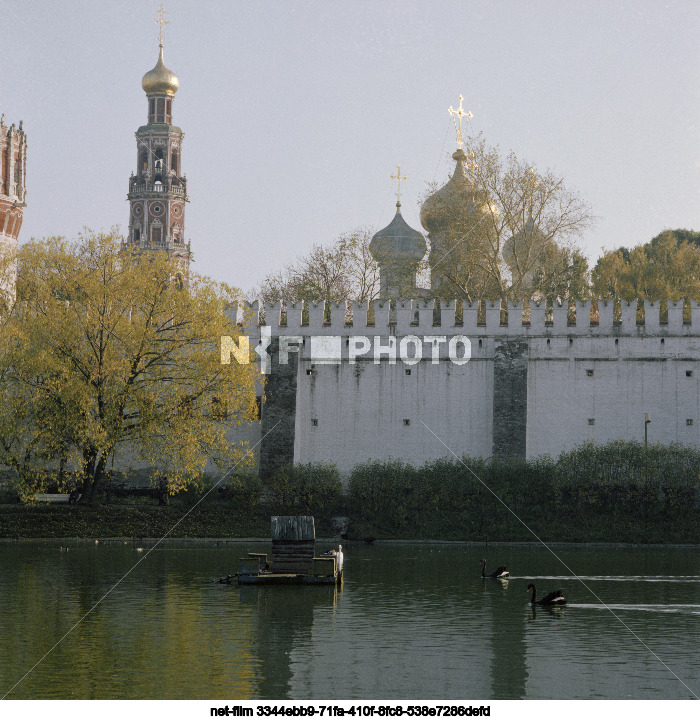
161	21
459	113
398	177
160	79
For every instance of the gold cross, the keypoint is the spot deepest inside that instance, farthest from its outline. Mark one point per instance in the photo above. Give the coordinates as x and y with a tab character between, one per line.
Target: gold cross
398	177
459	113
161	21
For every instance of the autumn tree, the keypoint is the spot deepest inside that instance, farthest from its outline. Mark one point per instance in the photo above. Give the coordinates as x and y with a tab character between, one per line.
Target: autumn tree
667	267
105	356
343	270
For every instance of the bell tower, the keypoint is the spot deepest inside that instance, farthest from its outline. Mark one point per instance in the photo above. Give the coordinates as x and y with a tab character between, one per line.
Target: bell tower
158	189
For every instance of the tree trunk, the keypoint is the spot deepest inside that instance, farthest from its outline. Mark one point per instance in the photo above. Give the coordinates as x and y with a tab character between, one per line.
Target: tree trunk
163	495
88	475
93	473
88	496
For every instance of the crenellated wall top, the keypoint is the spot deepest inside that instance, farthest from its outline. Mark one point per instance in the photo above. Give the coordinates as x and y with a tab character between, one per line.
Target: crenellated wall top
483	318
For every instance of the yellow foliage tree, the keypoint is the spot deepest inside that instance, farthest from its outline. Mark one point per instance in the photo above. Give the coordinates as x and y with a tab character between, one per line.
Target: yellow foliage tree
106	353
665	268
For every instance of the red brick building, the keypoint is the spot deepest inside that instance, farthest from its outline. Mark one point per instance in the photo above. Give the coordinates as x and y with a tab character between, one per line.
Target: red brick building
13	190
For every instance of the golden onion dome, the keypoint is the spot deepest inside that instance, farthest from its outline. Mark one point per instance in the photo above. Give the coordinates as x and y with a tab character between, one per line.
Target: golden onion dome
457	197
160	79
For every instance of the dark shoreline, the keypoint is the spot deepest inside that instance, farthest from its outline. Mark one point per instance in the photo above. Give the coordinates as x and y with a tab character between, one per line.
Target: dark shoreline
389	542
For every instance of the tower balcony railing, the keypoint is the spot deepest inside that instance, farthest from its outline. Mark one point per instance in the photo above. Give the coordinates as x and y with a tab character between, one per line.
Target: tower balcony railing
169	243
149	187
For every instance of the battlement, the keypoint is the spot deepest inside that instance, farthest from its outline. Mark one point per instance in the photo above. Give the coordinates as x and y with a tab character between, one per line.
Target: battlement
482	318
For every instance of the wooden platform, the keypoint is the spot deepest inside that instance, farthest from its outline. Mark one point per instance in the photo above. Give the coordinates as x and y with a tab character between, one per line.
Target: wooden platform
293	560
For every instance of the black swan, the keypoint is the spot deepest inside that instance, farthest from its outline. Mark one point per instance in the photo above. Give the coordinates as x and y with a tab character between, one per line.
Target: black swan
500	572
553	598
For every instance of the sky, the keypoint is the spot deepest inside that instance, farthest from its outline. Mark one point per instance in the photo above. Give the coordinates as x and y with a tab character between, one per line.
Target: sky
296	114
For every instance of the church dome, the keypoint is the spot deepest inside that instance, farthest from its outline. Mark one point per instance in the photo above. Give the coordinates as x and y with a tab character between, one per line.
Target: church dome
450	202
398	242
160	79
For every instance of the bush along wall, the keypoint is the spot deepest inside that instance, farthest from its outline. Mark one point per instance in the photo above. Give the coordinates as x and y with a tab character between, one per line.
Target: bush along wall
312	489
617	492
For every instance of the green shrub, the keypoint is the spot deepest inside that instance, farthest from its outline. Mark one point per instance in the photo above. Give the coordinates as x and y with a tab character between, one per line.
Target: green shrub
304	488
629	462
617	491
243	490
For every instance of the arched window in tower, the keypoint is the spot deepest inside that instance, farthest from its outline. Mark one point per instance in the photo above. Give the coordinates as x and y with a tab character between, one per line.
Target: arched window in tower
157	232
143	161
173	163
159	166
137	235
168	109
151	110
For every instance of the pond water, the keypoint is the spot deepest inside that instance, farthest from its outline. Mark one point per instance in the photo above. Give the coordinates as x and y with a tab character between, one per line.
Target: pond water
411	621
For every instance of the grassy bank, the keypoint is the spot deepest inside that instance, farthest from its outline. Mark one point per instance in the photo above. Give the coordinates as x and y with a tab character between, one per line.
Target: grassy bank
122	519
220	519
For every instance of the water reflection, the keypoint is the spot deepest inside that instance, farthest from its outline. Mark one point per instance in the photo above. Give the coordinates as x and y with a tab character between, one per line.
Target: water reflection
284	620
412	621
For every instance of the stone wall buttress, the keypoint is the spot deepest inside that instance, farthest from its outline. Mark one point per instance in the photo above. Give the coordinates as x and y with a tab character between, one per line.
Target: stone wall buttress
510	399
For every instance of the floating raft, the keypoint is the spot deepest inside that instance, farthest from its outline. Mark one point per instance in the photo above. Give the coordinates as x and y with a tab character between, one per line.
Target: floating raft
293	556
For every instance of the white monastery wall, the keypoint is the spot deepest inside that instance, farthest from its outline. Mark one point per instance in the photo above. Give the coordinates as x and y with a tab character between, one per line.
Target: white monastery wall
597	389
355	413
348	410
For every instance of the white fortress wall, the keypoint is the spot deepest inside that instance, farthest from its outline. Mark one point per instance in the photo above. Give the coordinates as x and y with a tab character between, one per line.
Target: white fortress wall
599	390
348	414
526	390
